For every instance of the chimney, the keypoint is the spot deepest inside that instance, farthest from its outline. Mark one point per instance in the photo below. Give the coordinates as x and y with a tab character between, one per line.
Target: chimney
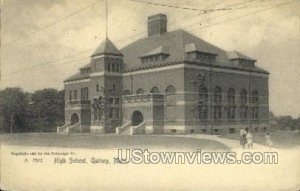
157	24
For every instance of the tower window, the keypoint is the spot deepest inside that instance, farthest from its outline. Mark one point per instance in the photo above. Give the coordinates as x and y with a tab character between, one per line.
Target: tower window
113	67
75	94
97	88
70	95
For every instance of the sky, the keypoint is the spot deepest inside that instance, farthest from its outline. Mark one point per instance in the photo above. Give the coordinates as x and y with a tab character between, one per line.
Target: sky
44	42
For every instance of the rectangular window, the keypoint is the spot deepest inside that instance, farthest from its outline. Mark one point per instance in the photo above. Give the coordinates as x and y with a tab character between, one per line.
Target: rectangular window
216	131
75	94
108	67
117	100
231	130
70	95
97	88
110	113
217	112
111	100
117	113
84	93
113	67
231	112
255	113
243	112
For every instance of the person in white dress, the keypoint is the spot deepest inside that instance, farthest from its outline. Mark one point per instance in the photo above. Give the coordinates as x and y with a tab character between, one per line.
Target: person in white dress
249	140
243	137
269	143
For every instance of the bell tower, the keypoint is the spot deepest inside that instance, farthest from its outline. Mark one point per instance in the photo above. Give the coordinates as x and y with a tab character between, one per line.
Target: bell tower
106	78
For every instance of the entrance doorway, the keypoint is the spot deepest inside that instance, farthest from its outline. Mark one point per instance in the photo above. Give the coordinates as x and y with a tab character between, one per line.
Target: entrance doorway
74	119
137	118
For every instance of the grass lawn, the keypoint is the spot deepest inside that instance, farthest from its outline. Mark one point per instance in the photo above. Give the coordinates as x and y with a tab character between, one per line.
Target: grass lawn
110	141
280	139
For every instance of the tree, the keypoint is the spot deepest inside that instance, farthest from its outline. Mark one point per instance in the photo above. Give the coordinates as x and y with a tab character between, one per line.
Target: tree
13	102
47	109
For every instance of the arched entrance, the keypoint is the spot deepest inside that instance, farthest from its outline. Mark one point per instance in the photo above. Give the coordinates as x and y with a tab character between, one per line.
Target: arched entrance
74	119
137	118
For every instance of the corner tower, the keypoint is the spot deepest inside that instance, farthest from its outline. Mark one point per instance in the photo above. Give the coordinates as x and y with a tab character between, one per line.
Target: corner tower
106	83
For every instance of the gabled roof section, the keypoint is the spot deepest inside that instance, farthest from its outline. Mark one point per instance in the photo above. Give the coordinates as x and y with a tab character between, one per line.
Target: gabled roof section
86	66
233	55
107	47
159	50
77	76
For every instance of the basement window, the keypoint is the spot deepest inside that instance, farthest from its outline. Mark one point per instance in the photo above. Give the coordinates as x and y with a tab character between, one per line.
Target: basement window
231	130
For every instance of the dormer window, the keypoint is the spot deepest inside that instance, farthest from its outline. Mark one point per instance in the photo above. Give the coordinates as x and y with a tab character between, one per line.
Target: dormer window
85	71
195	53
157	55
153	58
246	63
240	60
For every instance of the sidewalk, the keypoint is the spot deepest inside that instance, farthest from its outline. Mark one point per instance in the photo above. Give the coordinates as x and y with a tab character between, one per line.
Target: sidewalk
231	143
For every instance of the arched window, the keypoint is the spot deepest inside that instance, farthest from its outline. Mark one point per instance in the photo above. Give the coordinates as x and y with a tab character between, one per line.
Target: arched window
170	103
255	104
231	103
140	91
170	96
243	102
203	102
217	103
154	90
217	94
126	92
170	90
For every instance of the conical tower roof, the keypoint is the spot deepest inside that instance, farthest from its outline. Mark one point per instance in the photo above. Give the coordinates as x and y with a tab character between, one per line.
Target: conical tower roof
107	47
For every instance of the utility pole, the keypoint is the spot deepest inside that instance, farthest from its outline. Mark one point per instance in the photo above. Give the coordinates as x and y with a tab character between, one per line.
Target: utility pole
131	83
211	99
250	100
106	19
11	122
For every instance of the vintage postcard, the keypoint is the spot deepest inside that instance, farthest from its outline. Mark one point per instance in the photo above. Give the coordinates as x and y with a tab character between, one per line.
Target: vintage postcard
150	95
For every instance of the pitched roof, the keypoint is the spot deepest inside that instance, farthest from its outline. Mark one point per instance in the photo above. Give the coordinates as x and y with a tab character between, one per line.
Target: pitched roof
176	40
237	55
107	47
86	66
77	76
175	43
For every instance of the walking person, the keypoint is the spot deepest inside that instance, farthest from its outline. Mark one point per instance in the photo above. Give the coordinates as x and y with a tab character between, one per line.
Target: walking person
243	137
269	143
249	140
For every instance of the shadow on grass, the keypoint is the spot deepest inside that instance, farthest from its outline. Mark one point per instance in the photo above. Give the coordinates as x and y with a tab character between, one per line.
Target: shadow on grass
111	141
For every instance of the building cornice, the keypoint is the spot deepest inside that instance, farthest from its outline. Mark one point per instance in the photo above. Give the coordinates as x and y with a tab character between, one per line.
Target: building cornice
191	62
